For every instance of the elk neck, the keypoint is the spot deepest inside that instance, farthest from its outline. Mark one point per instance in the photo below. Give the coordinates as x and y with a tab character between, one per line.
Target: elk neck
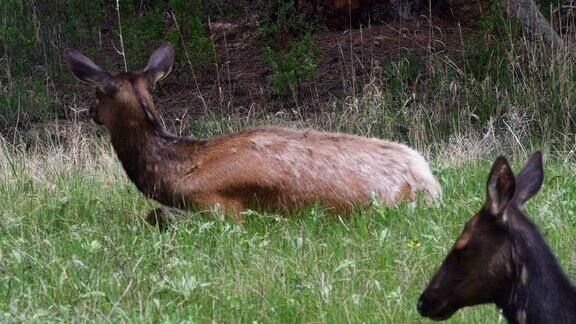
540	292
152	158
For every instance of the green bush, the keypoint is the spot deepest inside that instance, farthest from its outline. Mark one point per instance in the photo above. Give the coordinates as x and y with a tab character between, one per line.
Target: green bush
279	21
290	51
194	46
143	30
290	68
141	35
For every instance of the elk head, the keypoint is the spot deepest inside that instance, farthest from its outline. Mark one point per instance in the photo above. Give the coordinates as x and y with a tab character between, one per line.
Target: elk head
480	267
125	96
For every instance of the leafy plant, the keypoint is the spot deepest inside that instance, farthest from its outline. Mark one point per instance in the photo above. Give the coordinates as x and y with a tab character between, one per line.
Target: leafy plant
140	34
290	68
147	24
279	21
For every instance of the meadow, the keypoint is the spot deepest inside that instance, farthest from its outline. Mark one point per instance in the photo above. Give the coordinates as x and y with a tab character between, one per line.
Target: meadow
74	247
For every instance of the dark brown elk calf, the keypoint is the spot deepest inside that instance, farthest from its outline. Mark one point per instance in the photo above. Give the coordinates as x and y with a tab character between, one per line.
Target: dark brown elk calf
262	169
502	258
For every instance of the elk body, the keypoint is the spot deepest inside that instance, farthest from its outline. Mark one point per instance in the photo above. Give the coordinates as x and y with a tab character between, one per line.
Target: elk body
267	169
502	258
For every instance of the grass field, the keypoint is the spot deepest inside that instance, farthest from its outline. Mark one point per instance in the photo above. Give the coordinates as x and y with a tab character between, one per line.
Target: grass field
74	247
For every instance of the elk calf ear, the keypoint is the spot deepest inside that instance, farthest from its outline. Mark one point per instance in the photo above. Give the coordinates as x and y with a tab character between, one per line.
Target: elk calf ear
160	64
87	71
501	186
529	180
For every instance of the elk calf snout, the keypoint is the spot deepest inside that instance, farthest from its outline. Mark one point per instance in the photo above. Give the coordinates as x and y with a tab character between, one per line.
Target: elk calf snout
424	308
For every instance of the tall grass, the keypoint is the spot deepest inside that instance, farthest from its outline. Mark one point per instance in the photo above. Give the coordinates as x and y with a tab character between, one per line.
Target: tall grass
434	104
32	73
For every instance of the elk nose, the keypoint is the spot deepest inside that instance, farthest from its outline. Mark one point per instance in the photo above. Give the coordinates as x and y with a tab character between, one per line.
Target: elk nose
419	305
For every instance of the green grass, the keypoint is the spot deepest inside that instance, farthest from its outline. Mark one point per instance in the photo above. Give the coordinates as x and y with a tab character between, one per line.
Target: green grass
73	247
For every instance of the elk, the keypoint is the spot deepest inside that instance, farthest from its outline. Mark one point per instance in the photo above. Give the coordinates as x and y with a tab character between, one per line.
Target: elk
501	257
267	169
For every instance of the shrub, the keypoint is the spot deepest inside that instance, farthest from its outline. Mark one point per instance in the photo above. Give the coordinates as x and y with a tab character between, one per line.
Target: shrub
290	68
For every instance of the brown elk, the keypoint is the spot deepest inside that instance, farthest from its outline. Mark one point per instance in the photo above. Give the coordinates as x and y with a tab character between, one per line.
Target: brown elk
502	258
263	169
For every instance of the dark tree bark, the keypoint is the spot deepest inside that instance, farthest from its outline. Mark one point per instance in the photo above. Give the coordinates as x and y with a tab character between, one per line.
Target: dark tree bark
406	9
532	21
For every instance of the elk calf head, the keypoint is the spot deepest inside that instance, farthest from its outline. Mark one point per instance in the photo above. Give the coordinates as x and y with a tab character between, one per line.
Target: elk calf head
480	267
125	96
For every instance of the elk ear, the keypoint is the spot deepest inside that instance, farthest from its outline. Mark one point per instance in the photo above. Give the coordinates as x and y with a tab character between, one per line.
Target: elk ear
160	64
501	186
87	71
529	179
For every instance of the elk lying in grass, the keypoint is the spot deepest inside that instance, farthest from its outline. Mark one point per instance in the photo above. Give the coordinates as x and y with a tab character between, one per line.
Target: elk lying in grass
263	169
502	258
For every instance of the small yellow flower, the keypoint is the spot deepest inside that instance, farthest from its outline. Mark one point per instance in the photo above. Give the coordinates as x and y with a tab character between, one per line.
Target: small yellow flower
414	244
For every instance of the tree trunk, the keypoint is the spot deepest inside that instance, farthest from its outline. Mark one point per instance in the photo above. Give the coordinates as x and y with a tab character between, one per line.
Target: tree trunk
532	21
406	9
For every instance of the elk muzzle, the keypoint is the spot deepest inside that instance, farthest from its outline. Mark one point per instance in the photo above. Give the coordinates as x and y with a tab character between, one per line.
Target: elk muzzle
435	309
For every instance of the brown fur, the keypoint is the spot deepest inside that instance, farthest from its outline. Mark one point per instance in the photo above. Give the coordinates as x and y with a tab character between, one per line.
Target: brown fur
264	169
